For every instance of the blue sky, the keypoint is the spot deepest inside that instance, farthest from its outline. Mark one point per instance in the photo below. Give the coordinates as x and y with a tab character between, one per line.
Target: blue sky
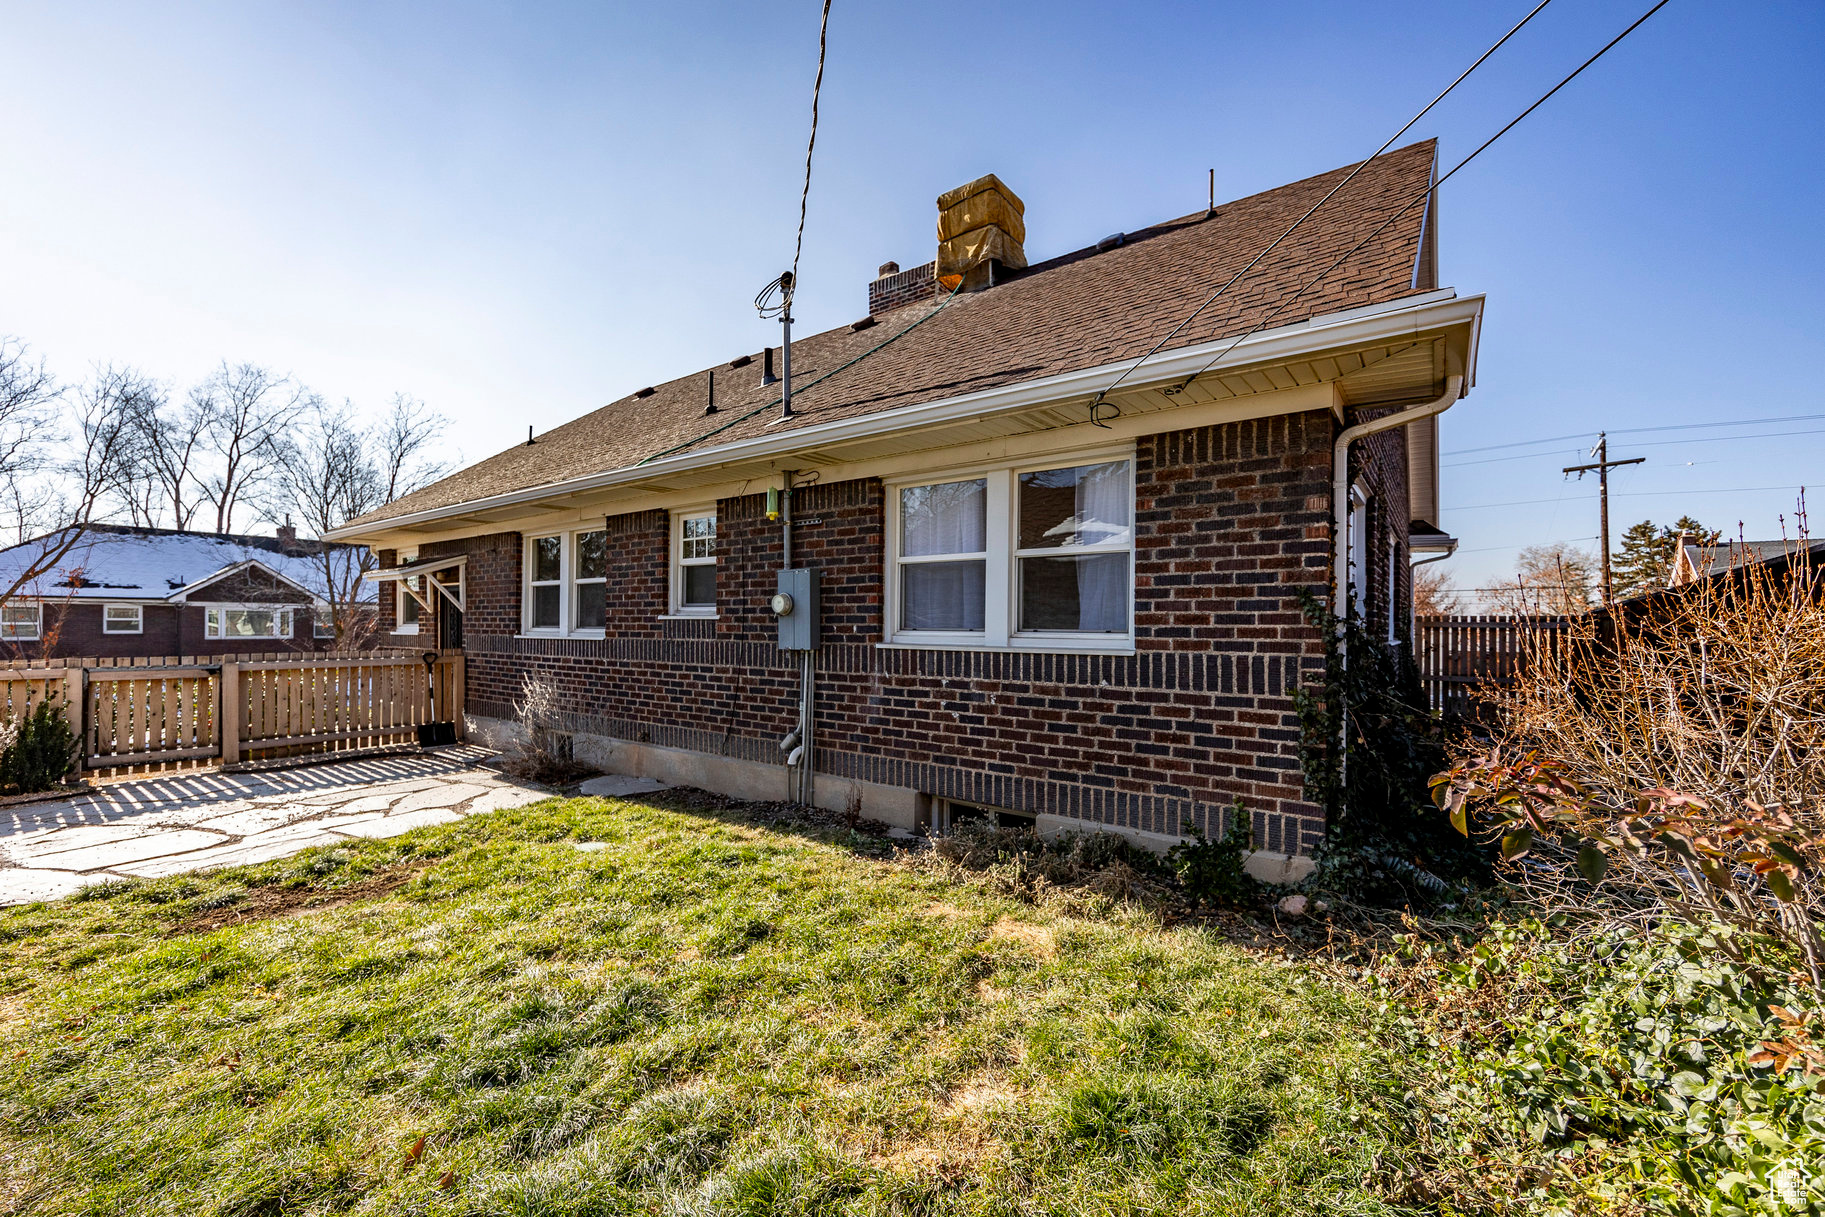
520	212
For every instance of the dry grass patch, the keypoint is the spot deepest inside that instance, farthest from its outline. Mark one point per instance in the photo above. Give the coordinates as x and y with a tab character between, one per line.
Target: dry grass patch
1038	939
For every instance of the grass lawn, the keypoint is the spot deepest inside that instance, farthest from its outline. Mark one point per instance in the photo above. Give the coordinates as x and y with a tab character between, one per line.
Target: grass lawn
694	1015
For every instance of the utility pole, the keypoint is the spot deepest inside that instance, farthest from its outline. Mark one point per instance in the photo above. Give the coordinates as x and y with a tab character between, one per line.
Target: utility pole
1603	464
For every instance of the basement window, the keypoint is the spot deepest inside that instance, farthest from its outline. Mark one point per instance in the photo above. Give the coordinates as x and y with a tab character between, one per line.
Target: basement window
1039	556
951	814
121	619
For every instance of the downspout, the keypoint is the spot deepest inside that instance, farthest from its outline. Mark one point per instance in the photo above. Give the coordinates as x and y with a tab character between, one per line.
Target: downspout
1412	609
1340	518
1340	482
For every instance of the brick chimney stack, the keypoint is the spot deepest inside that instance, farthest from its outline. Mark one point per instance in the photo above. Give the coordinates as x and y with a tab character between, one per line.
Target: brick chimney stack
288	536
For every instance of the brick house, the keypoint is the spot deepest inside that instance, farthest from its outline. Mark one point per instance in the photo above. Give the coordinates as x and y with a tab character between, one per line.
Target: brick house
1020	588
130	592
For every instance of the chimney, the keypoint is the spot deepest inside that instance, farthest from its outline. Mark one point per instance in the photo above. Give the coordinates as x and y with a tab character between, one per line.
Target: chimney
981	228
288	536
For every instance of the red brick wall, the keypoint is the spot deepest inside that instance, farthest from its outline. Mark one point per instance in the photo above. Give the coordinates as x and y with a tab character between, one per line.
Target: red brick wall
1232	522
905	287
74	629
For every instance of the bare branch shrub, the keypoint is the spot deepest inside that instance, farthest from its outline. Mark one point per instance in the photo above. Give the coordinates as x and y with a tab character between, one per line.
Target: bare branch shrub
544	754
1670	757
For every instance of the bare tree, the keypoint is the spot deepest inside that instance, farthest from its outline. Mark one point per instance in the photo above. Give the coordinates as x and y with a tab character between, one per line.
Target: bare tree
170	442
1556	580
335	470
1434	592
28	398
133	395
401	443
249	410
66	495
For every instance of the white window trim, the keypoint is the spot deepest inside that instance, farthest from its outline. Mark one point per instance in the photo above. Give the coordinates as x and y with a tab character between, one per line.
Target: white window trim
1359	551
323	615
676	607
284	621
401	598
139	618
566	583
1001	594
37	626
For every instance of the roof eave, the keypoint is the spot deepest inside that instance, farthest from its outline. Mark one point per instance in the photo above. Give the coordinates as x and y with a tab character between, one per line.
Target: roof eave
1409	315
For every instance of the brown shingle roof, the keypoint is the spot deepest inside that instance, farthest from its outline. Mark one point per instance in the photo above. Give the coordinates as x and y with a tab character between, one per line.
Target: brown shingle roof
1076	311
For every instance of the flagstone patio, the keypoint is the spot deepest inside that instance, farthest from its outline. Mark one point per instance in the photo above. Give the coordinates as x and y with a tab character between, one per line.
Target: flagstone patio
163	826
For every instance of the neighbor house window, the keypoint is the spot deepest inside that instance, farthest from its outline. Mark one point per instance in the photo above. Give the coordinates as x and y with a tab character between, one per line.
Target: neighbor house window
694	562
567	583
120	619
226	622
323	623
1036	556
21	622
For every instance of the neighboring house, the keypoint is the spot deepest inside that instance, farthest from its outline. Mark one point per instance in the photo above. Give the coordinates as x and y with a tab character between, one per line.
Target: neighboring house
1030	601
1693	562
132	592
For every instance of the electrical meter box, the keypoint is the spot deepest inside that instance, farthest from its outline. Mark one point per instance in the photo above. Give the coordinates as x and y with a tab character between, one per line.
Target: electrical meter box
795	607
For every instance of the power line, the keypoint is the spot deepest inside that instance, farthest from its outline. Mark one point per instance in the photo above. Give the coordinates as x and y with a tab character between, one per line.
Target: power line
817	87
1272	245
1554	439
1647	443
1631	494
1512	123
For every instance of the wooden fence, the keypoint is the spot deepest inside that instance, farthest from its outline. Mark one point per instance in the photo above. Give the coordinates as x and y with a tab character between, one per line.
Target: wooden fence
1459	657
183	711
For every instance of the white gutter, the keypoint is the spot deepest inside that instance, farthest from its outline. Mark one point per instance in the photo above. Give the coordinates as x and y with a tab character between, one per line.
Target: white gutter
1407	317
1340	480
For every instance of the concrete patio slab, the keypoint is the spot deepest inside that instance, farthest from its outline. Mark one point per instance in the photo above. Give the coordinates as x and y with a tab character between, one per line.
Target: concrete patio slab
170	825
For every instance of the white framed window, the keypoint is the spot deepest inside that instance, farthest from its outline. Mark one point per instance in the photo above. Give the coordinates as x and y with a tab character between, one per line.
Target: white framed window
323	623
406	606
1038	555
694	562
122	619
21	622
247	621
589	583
566	583
1359	551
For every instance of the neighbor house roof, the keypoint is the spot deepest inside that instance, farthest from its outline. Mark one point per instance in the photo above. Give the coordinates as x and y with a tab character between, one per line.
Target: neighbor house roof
1082	310
1701	561
119	562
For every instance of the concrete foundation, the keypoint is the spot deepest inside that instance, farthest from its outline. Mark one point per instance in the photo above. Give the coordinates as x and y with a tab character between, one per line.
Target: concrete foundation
890	805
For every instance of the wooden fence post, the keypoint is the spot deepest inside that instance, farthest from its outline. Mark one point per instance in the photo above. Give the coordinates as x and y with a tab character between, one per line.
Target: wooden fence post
228	711
75	707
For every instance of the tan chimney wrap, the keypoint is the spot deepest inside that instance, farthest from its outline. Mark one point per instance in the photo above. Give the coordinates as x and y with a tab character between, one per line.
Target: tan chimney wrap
978	222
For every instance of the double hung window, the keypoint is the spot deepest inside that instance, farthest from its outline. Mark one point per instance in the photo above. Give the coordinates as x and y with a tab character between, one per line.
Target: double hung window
567	583
1039	557
694	563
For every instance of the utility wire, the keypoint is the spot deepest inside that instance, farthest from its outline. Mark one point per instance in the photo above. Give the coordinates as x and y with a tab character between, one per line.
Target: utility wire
817	87
1644	443
1424	194
1212	298
1734	422
1632	494
741	418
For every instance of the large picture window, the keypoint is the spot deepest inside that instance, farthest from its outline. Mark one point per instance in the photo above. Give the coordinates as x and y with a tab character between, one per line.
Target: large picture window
567	583
1037	556
694	562
249	622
